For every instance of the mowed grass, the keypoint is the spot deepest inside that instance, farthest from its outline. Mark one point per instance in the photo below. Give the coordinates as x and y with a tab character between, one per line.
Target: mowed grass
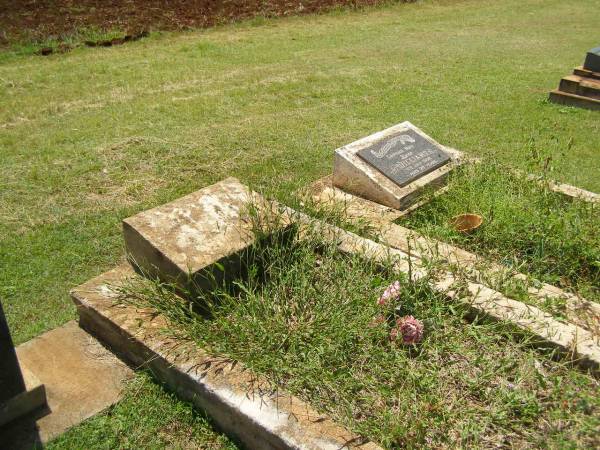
92	136
307	318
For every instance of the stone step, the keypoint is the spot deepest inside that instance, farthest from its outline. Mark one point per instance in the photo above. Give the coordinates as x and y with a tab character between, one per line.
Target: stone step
585	87
197	240
80	376
564	98
582	72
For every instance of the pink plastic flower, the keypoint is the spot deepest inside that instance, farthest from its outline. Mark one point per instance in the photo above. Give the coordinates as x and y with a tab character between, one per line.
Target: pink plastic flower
409	328
390	293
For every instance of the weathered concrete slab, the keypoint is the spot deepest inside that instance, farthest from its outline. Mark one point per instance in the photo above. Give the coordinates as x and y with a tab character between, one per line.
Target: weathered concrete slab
579	310
567	190
240	403
181	241
322	192
354	175
581	345
81	377
571	339
371	211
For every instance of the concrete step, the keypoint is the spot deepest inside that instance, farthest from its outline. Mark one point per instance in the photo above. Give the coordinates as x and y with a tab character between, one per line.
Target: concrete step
578	85
565	98
81	378
197	240
586	73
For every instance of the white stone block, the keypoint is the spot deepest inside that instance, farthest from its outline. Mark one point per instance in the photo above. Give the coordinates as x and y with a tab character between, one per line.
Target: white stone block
354	175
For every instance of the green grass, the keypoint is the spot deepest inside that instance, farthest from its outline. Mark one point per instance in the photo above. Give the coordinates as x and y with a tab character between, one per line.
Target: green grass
61	44
526	227
147	417
94	135
305	319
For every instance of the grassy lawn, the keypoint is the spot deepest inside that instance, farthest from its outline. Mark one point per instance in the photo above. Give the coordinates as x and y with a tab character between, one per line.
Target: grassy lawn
313	328
95	135
147	417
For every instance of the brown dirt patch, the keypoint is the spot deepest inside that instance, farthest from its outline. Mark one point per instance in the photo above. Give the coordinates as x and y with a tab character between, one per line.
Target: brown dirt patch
38	20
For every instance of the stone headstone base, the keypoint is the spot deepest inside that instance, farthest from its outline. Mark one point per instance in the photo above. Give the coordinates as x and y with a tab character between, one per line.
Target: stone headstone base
354	175
582	90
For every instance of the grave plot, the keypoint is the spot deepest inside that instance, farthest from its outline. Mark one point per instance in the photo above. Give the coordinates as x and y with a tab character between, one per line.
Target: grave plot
537	244
311	318
199	244
292	332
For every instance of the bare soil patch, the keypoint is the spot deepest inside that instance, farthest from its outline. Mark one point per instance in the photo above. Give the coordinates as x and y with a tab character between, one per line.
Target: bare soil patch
39	20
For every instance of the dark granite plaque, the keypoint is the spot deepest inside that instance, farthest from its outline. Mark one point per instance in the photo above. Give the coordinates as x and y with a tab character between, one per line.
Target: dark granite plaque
592	60
404	157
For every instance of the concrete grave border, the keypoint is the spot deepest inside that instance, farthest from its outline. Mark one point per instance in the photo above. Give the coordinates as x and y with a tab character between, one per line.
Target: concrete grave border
407	240
575	338
235	398
242	403
216	225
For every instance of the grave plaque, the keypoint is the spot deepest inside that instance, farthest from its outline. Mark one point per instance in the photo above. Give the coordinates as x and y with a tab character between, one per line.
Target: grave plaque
404	157
592	60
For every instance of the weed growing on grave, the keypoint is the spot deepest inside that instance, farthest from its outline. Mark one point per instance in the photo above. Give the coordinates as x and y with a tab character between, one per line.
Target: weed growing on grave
526	226
305	318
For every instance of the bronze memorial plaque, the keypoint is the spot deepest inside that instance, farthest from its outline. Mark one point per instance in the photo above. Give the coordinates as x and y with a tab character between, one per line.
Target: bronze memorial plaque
404	157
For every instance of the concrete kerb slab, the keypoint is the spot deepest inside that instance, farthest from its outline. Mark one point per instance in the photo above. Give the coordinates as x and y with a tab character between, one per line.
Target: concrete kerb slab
241	403
579	310
192	235
580	344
